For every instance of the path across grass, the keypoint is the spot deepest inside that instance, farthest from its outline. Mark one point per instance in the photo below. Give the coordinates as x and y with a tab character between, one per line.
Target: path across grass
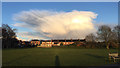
55	56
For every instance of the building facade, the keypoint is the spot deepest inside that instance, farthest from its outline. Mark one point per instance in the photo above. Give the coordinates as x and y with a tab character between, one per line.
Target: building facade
35	42
56	42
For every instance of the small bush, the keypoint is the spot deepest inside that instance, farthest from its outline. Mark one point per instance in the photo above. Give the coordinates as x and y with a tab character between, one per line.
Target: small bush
61	44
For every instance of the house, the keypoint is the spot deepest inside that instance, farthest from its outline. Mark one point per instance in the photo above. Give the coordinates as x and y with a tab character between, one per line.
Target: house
62	41
46	43
35	42
58	42
68	41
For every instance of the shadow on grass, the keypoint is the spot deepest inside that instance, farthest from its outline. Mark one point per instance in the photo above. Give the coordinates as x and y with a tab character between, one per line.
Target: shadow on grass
106	59
96	56
57	61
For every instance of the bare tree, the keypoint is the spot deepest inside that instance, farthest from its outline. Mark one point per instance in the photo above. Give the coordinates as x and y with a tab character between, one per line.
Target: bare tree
116	32
0	32
8	32
105	34
8	37
90	38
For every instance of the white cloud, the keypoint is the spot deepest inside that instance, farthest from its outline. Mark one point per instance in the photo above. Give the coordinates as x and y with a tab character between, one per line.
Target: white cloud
53	24
28	36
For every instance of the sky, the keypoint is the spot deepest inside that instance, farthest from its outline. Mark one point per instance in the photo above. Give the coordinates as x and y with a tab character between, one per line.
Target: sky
46	20
60	0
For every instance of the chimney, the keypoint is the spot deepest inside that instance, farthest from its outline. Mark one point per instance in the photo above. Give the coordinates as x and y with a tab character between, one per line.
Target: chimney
65	41
78	39
71	39
57	40
51	41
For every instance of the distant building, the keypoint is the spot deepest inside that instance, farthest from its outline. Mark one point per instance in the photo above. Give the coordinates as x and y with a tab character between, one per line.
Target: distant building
35	42
56	42
46	43
66	41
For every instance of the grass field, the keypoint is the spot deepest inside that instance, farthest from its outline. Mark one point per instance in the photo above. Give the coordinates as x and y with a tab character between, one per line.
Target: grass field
55	56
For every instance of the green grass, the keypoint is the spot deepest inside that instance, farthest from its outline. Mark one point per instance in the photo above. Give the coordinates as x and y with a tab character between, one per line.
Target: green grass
47	57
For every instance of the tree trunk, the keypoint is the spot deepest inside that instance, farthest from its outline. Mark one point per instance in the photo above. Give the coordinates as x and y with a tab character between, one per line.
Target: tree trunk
107	46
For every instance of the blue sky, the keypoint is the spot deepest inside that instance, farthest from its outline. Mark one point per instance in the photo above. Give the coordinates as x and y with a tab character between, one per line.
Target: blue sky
107	11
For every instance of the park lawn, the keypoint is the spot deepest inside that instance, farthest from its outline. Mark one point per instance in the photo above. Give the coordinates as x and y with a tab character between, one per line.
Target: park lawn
47	57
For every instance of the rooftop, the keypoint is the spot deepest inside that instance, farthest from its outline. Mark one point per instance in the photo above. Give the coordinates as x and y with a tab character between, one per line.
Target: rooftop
60	40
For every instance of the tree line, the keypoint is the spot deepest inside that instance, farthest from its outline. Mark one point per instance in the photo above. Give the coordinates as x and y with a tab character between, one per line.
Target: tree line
106	36
9	39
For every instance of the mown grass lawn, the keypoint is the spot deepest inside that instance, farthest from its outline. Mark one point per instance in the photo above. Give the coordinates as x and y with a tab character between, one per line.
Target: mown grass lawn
55	56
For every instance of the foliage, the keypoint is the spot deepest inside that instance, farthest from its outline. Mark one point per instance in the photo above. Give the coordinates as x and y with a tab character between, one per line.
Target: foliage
8	32
116	35
90	38
105	34
61	44
95	45
9	37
